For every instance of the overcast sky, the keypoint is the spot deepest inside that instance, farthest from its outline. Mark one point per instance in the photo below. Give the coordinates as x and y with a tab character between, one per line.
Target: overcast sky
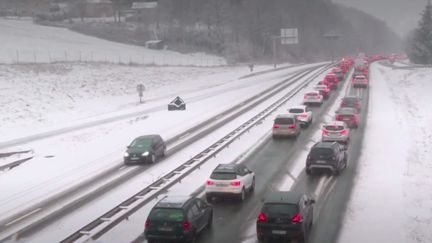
401	15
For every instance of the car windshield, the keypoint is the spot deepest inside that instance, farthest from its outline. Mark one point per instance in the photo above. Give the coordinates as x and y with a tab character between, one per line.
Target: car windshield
284	209
334	128
141	142
345	111
284	121
223	176
296	110
167	214
317	152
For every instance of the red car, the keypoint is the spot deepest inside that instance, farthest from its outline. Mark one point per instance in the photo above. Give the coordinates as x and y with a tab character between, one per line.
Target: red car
323	89
352	102
360	81
348	115
331	78
327	83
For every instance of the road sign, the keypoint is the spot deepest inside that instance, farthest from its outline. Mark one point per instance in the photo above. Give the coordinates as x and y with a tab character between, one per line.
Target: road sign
289	36
140	89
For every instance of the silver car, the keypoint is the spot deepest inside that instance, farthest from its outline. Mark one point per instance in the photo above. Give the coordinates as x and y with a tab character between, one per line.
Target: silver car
336	131
286	126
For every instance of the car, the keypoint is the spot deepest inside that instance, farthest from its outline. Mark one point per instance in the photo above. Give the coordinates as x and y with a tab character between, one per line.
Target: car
331	78
147	148
351	101
348	115
303	114
338	72
286	125
313	98
360	81
177	104
178	218
230	180
327	156
335	131
327	83
285	215
323	89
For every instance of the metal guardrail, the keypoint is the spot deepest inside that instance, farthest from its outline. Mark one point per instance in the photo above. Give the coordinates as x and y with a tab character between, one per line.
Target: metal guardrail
16	161
101	225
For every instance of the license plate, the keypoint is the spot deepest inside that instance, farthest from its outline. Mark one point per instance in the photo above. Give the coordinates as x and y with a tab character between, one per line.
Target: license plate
134	158
165	228
347	119
279	232
221	184
321	161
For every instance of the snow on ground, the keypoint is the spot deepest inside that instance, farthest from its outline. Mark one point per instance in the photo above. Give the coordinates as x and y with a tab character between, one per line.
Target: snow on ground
40	96
391	201
24	42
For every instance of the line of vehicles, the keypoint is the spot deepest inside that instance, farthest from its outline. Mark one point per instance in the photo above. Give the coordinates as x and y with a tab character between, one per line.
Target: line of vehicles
283	214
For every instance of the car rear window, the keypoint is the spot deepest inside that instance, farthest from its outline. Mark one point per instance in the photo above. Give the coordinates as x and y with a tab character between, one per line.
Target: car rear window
284	121
167	214
142	142
333	128
296	110
283	209
223	176
345	112
317	152
312	94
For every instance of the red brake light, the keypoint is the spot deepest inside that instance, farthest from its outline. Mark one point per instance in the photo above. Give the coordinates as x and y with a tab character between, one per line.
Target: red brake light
293	126
276	126
186	225
344	132
147	224
297	219
262	217
325	132
210	182
235	183
338	117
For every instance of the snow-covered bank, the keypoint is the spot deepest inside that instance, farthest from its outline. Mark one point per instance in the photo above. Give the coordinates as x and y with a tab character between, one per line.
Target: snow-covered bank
25	42
391	200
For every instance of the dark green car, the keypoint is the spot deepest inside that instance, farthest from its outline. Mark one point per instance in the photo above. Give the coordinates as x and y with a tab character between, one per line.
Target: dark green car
145	149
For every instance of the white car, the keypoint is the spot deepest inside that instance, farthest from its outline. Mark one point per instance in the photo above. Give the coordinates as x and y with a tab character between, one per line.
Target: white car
336	131
313	97
303	114
230	180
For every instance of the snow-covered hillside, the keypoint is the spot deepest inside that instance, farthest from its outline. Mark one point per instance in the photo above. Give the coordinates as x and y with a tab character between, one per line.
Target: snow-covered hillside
25	42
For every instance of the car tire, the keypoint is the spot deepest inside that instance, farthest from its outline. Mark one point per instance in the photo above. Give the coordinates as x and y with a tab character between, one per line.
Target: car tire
152	159
252	187
209	198
242	195
210	221
308	172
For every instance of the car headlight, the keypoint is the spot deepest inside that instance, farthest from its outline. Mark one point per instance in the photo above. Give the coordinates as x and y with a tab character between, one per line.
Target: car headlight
126	154
145	153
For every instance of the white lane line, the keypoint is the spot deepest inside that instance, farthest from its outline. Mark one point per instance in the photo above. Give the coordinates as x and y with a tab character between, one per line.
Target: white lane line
122	168
22	217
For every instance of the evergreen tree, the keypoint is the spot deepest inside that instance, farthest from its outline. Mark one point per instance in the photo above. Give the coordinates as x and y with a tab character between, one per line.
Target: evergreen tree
420	47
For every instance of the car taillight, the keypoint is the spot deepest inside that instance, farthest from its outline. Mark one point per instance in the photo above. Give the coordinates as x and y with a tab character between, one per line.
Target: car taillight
325	132
147	224
276	126
186	225
305	96
338	117
235	183
262	217
297	219
293	126
210	182
344	132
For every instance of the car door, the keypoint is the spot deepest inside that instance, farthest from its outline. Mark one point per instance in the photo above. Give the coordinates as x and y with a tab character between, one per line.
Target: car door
243	172
305	212
204	210
198	215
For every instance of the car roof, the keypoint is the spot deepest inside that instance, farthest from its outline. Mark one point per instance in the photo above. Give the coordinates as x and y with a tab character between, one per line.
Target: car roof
360	76
152	136
351	97
347	110
321	85
286	116
336	123
313	91
226	168
283	197
297	107
324	145
173	202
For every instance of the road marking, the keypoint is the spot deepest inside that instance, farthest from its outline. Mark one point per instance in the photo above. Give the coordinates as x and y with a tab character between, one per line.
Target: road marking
187	134
24	216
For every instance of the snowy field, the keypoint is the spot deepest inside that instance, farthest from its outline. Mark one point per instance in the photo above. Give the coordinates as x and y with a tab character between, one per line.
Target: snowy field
24	42
391	201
